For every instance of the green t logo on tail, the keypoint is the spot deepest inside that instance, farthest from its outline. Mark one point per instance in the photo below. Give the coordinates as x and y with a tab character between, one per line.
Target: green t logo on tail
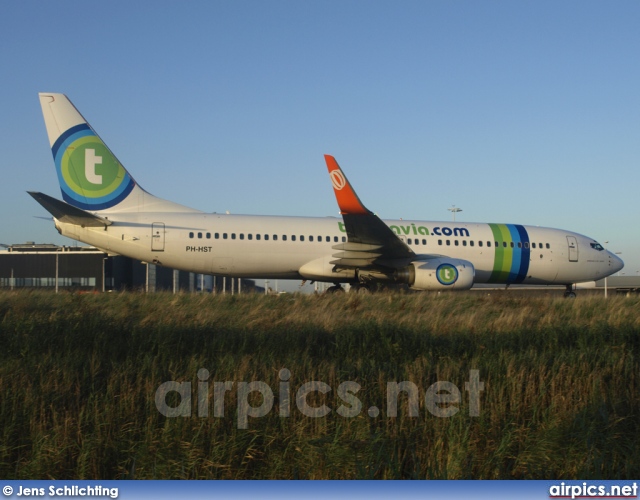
91	177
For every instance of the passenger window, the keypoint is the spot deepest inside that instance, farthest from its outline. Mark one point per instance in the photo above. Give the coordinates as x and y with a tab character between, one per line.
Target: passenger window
540	245
424	242
328	239
409	241
464	243
479	243
224	236
208	236
301	238
319	239
200	235
455	242
242	236
488	243
293	237
258	236
249	236
335	239
519	244
526	244
533	245
266	237
548	246
284	237
217	236
511	244
190	235
310	238
448	243
440	242
344	239
275	237
233	236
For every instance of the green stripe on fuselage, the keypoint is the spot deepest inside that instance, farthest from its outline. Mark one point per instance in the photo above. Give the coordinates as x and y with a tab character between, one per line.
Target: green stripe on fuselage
503	255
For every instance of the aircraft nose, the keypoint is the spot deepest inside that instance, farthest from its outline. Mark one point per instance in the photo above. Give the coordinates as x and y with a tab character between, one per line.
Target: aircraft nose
615	263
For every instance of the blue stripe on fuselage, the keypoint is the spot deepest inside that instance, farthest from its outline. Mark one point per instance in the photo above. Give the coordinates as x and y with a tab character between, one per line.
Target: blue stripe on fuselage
515	255
525	254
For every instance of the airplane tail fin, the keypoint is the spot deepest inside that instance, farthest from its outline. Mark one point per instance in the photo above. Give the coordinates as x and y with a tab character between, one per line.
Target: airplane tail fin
91	177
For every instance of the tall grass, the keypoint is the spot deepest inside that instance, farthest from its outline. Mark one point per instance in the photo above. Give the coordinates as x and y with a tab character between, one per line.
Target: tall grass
79	374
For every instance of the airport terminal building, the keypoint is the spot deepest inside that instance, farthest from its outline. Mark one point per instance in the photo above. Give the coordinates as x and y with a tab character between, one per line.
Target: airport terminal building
77	268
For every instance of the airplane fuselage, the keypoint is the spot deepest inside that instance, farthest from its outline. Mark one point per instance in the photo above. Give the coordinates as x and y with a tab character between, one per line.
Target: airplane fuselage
279	247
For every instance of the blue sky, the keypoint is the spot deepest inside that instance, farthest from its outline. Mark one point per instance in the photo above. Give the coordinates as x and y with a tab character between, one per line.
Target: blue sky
525	112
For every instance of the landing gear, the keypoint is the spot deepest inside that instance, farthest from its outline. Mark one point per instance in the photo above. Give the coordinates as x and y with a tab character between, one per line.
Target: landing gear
569	293
360	289
335	289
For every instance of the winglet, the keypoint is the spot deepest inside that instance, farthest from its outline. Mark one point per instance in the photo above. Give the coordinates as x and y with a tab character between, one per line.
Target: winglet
347	198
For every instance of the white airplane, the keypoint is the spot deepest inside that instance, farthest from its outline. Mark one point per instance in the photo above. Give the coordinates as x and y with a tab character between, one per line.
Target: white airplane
105	207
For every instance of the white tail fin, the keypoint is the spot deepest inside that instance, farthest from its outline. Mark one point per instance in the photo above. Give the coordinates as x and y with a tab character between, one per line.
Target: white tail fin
90	176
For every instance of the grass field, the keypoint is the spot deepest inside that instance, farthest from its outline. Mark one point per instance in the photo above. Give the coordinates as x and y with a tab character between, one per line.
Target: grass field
79	376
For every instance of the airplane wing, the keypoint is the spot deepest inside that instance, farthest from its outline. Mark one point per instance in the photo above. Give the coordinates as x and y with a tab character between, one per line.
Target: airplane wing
68	213
370	242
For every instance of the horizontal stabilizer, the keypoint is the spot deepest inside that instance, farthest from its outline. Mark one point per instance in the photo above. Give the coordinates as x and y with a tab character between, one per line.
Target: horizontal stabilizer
67	213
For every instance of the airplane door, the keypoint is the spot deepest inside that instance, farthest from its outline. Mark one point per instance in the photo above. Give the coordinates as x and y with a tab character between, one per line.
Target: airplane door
157	237
573	248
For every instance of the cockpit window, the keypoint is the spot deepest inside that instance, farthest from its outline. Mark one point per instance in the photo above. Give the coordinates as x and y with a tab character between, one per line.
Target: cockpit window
597	246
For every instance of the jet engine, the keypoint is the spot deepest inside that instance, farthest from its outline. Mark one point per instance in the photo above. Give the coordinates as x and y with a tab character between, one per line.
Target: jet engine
440	273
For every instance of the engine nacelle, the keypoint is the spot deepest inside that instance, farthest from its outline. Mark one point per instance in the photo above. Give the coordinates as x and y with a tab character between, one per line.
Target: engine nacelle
441	273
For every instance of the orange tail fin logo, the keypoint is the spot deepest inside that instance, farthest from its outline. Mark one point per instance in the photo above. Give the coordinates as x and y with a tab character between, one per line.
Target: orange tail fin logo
338	180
